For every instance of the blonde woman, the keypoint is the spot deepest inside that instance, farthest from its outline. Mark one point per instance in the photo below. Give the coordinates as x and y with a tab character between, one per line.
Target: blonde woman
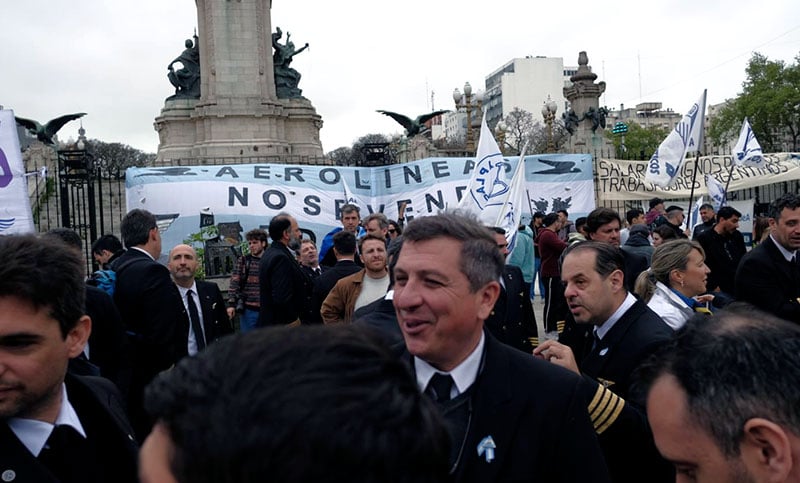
674	285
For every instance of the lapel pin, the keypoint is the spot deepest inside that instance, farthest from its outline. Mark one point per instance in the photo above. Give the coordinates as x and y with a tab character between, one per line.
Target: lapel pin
8	475
486	447
604	351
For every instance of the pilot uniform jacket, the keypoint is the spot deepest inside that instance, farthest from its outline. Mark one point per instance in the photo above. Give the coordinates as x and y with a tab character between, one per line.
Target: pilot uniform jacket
536	415
630	452
512	320
216	322
765	279
283	287
100	409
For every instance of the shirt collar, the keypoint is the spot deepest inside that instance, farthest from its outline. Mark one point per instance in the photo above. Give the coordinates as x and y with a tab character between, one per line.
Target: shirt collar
602	330
183	290
33	433
143	251
786	253
463	375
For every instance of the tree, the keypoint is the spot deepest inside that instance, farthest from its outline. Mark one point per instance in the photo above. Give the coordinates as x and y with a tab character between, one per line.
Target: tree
114	158
640	142
520	128
770	99
341	156
354	156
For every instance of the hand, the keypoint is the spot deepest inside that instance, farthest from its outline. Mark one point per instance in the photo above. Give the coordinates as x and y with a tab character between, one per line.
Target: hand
231	312
704	298
558	354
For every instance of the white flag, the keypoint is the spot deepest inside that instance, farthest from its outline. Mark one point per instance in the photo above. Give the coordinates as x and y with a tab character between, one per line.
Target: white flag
15	205
716	191
495	192
666	163
694	216
747	151
350	197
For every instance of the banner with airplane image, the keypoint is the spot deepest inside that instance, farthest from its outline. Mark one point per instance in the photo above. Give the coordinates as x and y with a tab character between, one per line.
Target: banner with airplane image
251	194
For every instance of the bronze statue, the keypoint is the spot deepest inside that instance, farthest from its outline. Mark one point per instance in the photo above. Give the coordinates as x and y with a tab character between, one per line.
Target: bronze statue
186	79
417	126
597	116
286	78
45	133
571	121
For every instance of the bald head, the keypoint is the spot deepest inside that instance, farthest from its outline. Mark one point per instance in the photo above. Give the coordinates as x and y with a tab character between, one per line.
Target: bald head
183	264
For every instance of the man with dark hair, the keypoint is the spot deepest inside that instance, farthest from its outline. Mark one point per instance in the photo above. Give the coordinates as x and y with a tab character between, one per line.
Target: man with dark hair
707	218
361	288
323	404
567	226
380	314
106	351
511	417
579	234
344	249
550	249
603	225
512	320
106	249
350	219
54	426
634	216
716	423
204	317
283	285
655	215
674	219
625	332
724	248
769	275
244	290
536	226
150	306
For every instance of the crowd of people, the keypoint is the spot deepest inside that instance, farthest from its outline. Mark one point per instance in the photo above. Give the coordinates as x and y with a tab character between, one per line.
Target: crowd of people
408	352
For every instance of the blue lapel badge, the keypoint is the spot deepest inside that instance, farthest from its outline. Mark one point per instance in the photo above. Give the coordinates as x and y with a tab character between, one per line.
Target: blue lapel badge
487	447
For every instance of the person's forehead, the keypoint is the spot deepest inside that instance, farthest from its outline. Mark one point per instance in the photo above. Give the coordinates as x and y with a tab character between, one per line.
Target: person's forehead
182	252
789	214
352	214
373	245
611	225
581	262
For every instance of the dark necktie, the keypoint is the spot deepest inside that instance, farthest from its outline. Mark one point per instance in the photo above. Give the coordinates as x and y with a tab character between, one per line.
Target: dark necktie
194	317
62	454
439	387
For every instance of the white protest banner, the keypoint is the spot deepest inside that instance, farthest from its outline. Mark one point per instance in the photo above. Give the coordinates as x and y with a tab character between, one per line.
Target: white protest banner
619	179
15	206
251	194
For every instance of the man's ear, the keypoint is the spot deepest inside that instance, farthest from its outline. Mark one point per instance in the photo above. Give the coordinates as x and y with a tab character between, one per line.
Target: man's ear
617	278
487	295
78	336
153	234
766	450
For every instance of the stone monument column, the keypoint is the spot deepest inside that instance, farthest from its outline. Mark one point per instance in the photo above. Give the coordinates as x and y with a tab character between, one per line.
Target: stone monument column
585	118
238	113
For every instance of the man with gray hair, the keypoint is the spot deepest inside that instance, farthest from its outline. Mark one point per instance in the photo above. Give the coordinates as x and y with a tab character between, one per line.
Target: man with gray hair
511	417
723	398
377	224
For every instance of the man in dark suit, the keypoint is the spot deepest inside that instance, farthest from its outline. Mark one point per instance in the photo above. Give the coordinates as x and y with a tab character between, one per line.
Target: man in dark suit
283	284
769	276
625	333
344	249
204	326
54	427
511	417
512	320
151	309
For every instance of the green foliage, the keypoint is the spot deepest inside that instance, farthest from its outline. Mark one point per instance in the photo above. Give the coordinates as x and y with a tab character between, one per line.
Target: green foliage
770	99
114	158
640	142
197	241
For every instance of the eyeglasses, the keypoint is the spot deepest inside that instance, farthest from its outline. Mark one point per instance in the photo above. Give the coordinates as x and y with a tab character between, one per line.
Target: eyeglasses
392	230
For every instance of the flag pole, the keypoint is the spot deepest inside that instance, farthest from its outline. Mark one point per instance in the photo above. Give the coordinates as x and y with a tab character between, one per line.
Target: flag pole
694	179
727	183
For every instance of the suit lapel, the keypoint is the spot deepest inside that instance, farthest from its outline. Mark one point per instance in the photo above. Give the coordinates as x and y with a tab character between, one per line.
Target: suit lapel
597	359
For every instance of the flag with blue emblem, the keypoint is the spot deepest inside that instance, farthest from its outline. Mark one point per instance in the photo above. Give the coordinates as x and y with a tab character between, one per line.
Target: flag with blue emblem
715	191
496	188
747	151
694	216
666	162
15	205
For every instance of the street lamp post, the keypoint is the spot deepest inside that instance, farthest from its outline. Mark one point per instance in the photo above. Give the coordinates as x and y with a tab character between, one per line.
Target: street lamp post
468	102
549	113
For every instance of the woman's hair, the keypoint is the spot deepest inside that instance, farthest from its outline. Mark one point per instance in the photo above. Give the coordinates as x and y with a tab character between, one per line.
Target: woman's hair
669	256
666	233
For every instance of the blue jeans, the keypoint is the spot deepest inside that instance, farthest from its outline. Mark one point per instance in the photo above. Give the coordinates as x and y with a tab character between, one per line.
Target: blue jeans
248	320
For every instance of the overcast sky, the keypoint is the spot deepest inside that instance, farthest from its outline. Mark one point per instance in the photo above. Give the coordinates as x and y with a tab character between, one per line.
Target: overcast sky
109	58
